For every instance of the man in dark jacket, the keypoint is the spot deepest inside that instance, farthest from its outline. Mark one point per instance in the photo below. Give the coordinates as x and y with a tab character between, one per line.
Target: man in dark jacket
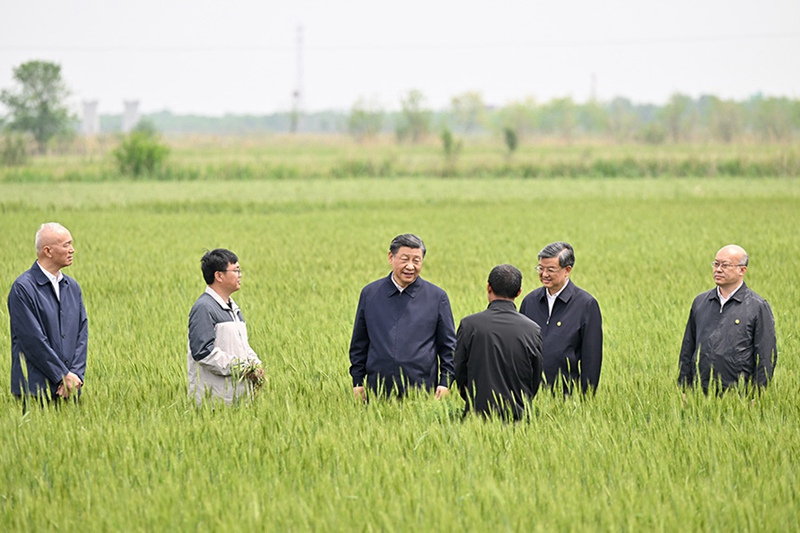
730	328
572	326
404	334
49	328
498	357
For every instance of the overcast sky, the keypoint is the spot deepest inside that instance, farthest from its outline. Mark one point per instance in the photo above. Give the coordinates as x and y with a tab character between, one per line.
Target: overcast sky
241	56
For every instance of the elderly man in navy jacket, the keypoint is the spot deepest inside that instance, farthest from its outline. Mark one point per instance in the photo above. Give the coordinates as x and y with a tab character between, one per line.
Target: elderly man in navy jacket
404	334
49	328
572	327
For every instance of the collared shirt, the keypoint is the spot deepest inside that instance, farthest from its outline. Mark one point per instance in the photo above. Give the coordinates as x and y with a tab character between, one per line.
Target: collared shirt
54	280
723	300
551	298
399	288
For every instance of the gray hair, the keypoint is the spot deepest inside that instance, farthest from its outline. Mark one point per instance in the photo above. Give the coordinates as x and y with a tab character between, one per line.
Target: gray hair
560	249
409	240
45	230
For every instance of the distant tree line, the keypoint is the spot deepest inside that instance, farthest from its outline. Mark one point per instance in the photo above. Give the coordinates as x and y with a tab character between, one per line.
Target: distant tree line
681	120
36	110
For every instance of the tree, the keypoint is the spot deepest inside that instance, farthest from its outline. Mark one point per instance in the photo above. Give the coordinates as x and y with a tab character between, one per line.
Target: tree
38	105
559	117
469	111
772	118
510	138
726	119
452	147
622	119
416	118
520	116
365	120
678	116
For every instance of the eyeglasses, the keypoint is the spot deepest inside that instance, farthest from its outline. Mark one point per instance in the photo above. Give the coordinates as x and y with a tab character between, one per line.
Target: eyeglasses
550	270
237	270
724	266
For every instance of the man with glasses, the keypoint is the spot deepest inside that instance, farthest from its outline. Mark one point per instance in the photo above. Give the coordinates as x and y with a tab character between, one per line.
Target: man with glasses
730	334
219	350
572	326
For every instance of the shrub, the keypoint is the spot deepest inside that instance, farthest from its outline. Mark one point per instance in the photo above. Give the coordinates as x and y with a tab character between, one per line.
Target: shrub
141	152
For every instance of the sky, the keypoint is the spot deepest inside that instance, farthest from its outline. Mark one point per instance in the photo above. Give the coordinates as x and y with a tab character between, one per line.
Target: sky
250	56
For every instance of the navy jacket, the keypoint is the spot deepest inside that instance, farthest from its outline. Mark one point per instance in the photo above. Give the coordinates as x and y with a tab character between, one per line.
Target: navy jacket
572	337
737	343
402	339
498	360
49	334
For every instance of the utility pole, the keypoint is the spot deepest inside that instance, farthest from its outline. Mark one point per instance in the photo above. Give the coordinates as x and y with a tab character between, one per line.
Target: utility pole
297	95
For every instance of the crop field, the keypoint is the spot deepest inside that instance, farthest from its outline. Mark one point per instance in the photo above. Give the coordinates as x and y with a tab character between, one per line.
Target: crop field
136	455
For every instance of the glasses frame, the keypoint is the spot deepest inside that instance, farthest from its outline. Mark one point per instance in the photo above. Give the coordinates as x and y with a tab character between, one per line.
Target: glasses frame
541	270
724	266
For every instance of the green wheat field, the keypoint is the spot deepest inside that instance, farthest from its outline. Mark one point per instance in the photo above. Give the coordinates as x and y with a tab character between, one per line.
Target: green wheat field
136	455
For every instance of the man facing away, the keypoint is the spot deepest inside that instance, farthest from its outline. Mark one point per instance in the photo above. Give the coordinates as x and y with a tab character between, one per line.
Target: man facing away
219	349
403	334
572	326
498	359
730	334
49	327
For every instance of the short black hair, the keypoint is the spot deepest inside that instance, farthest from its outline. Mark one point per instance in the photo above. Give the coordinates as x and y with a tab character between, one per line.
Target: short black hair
505	281
409	240
217	260
562	250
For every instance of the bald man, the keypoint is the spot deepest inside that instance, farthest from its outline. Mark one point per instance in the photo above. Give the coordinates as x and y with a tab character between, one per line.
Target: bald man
49	328
731	331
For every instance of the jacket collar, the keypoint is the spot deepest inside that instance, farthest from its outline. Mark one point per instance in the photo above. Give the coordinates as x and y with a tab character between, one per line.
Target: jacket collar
505	305
217	298
739	295
565	295
411	290
41	278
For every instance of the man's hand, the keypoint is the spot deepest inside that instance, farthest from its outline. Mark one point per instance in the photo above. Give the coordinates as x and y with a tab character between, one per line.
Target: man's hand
70	383
441	392
360	393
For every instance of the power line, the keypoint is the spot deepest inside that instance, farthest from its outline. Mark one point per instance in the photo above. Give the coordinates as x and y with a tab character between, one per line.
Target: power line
562	43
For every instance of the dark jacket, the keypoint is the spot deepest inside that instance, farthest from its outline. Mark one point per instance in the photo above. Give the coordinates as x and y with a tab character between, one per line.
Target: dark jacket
498	360
402	339
737	343
572	338
49	334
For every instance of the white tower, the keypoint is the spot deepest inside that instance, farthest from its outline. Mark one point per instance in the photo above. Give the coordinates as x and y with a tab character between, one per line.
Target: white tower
131	116
90	125
297	95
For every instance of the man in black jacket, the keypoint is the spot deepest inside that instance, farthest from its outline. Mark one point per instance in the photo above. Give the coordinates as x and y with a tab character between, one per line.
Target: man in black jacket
731	331
572	326
498	357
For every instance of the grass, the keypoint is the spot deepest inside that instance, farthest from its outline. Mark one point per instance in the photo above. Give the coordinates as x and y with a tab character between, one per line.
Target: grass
287	157
136	455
